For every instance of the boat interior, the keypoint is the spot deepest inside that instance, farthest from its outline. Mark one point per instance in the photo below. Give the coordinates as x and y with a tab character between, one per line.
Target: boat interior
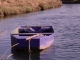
32	30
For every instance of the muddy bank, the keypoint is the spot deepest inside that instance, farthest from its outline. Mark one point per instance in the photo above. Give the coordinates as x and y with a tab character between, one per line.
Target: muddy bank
14	7
70	1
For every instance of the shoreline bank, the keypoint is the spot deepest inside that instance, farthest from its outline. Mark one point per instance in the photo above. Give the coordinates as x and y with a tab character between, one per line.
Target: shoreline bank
70	1
15	7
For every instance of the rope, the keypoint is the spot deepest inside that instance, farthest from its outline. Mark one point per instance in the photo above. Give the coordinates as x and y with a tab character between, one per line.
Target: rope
29	39
34	36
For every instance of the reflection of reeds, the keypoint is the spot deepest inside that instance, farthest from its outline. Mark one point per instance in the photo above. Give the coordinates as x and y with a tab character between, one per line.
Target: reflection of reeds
8	50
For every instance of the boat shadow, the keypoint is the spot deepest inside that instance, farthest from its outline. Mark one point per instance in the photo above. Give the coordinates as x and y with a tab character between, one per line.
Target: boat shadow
24	55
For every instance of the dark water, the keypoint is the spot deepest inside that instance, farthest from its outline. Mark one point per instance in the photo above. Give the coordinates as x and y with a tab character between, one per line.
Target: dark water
66	23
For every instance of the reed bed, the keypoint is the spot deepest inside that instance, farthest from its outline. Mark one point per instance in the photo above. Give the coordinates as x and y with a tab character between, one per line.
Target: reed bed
14	7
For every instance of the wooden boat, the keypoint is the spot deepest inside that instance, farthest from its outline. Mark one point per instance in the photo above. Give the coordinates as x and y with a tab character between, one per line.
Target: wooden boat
38	37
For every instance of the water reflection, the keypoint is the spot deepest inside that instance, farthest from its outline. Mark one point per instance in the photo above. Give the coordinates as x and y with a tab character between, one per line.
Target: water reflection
24	55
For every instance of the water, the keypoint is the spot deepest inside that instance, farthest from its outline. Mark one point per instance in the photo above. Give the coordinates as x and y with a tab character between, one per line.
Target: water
66	23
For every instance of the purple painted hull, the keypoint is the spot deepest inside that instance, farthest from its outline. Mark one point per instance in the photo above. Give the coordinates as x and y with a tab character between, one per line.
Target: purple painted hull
39	42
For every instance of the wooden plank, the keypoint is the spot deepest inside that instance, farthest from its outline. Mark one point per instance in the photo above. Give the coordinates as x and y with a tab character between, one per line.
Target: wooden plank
29	33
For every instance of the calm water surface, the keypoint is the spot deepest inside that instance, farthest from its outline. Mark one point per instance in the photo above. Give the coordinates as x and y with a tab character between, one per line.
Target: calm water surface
66	23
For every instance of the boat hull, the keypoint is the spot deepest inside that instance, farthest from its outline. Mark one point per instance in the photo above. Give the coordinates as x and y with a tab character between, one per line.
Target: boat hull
35	43
18	40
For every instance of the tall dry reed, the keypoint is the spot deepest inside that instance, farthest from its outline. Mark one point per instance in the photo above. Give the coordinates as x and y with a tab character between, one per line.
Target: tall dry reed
2	33
9	56
2	57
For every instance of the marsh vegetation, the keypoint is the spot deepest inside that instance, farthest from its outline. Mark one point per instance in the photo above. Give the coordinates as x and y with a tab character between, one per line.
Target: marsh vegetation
14	7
